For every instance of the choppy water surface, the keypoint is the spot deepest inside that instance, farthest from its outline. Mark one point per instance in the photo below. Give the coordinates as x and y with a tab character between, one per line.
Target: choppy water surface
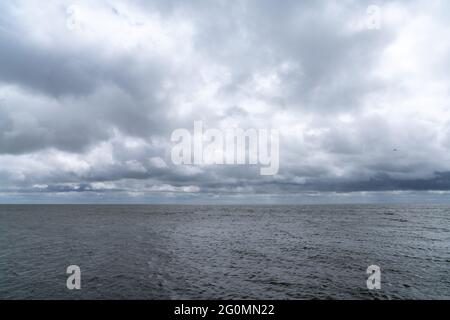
229	252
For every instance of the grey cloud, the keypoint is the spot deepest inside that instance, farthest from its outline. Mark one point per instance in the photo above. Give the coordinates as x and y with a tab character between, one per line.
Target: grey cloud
74	113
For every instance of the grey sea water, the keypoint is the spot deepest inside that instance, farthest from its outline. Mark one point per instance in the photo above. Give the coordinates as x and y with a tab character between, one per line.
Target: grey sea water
225	252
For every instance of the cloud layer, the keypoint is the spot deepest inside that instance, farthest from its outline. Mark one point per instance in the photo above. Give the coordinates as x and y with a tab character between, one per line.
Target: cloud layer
90	94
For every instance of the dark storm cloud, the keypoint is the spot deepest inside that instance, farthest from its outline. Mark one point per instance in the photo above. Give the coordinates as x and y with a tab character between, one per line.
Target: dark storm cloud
69	96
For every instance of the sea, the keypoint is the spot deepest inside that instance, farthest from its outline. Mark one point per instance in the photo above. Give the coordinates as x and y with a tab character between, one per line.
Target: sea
225	252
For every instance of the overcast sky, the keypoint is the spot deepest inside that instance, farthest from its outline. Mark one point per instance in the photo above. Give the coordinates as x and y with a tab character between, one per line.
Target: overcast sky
90	93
